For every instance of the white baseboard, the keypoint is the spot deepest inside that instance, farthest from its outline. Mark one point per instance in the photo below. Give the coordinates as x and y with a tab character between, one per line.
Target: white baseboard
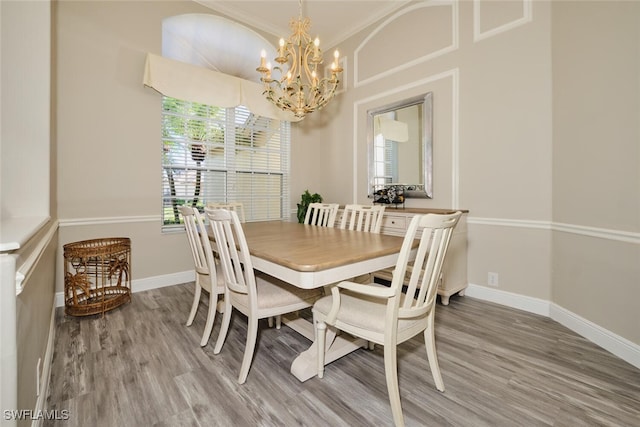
148	283
521	302
621	347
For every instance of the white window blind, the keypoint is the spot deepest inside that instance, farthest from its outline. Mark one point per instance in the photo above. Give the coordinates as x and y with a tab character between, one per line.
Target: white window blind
215	154
384	163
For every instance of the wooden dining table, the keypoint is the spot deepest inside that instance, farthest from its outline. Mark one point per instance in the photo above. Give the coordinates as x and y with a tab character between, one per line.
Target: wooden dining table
309	256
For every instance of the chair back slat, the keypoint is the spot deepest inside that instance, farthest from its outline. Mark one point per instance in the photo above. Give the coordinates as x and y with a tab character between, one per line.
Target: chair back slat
233	250
198	240
362	218
426	269
238	207
321	214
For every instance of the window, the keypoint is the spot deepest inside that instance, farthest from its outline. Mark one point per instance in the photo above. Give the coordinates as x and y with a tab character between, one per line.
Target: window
214	154
385	164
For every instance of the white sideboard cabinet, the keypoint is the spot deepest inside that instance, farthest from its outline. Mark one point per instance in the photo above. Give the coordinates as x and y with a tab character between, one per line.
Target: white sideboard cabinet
454	278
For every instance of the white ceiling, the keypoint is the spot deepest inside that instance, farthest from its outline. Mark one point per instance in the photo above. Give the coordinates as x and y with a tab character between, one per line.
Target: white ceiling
331	20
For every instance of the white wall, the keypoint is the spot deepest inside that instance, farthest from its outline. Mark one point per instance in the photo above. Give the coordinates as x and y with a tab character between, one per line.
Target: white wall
535	133
108	131
497	133
27	237
596	163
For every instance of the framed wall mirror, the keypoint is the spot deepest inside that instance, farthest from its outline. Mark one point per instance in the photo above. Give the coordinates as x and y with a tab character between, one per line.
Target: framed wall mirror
400	149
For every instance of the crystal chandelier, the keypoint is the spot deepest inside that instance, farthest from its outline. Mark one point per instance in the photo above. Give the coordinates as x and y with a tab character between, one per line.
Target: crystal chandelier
297	86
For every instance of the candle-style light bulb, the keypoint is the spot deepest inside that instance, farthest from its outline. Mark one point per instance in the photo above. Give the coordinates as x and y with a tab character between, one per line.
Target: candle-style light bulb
263	57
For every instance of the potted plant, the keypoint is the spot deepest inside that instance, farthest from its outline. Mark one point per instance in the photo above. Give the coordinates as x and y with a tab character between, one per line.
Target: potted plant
305	200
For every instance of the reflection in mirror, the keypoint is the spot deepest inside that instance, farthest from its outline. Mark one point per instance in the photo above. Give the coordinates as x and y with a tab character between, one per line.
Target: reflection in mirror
400	150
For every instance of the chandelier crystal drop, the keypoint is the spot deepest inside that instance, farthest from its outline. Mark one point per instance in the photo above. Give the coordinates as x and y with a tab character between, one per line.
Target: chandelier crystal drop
294	83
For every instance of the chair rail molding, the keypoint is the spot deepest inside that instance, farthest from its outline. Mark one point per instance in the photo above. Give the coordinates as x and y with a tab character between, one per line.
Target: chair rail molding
602	233
69	222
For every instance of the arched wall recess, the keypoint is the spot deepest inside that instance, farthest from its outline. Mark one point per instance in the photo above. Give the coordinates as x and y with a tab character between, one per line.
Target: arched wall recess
209	59
215	43
434	25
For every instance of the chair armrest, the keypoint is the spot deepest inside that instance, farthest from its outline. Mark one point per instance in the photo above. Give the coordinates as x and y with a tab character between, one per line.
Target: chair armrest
367	289
364	289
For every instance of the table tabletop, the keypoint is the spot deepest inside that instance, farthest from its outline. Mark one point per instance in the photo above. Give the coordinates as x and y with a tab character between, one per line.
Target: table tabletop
311	248
309	256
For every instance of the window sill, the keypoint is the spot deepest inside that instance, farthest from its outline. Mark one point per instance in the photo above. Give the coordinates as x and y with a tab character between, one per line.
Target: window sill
15	232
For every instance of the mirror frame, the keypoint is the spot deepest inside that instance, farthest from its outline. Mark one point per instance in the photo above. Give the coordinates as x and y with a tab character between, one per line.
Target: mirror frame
426	100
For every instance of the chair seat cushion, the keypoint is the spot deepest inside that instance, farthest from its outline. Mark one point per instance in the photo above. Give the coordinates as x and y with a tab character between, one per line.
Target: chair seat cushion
274	292
362	311
205	280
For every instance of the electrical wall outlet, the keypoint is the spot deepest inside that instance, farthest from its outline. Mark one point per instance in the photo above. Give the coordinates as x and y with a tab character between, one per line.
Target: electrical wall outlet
492	279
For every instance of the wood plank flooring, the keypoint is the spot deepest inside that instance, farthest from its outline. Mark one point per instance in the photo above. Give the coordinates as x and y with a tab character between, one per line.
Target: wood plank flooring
141	366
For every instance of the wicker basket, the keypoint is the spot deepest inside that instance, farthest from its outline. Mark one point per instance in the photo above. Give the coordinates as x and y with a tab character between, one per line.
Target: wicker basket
97	275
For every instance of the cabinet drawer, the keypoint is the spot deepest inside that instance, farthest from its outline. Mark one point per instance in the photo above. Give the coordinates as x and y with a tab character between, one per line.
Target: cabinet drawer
394	223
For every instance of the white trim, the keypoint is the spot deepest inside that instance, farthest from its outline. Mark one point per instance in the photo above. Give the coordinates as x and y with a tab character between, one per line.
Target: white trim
455	140
454	74
527	16
619	346
602	233
24	271
45	377
15	232
109	220
149	283
503	222
452	47
521	302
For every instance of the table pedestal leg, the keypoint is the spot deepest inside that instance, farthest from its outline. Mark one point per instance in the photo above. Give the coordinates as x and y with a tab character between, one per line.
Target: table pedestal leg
305	366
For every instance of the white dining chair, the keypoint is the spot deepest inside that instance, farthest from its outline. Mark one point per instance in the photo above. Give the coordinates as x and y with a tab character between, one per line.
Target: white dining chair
208	277
256	295
321	214
387	315
238	207
232	206
362	217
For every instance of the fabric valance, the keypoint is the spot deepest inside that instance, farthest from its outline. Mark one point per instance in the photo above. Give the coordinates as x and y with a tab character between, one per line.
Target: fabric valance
192	83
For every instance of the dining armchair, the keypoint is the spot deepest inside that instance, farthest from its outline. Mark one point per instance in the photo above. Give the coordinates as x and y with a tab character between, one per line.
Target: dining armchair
322	214
208	277
387	315
254	294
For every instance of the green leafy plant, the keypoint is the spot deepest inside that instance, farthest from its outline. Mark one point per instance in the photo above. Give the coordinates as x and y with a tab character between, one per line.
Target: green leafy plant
305	199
